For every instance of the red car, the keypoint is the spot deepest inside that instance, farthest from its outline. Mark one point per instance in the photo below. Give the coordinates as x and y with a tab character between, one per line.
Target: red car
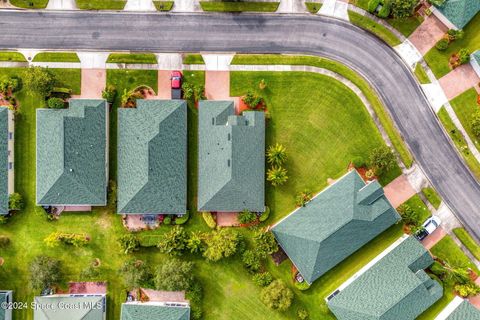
176	79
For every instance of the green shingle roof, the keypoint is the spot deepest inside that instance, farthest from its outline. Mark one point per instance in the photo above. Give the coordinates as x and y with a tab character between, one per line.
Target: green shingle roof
71	154
152	157
465	311
460	12
395	288
231	158
4	160
476	56
146	311
3	298
335	224
88	307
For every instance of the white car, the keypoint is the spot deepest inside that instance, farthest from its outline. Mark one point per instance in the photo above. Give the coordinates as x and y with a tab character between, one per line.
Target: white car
428	227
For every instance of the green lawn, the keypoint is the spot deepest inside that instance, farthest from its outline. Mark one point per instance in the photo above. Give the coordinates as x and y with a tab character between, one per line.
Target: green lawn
68	78
239	6
417	205
56	57
406	26
459	142
30	4
351	75
432	197
468	241
465	105
375	28
421	74
12	56
313	7
163	5
101	4
148	58
193	58
438	60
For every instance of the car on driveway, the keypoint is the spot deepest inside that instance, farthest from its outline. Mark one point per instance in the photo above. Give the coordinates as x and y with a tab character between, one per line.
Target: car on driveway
428	227
176	84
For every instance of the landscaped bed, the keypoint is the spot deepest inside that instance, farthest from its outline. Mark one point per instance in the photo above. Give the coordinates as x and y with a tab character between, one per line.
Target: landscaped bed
141	58
239	6
56	57
101	4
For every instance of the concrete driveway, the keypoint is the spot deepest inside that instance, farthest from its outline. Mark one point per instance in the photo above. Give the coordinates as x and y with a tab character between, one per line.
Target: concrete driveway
398	191
459	80
427	34
93	82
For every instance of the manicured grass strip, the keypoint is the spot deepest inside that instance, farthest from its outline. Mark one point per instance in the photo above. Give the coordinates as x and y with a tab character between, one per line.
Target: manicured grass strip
406	26
417	205
459	142
147	58
361	4
193	58
468	242
313	7
351	75
56	57
432	197
30	4
163	5
12	56
421	74
239	6
68	78
465	105
101	4
375	28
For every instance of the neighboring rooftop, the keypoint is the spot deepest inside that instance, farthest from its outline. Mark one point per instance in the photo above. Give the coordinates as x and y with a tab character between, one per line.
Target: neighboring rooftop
475	61
152	157
395	287
460	12
91	307
4	161
5	298
464	311
231	175
72	163
149	311
334	224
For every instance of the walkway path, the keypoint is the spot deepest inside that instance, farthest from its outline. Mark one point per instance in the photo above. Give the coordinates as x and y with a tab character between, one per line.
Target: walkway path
227	219
187	6
335	8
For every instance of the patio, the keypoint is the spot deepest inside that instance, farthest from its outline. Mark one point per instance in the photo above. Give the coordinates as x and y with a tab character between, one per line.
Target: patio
138	222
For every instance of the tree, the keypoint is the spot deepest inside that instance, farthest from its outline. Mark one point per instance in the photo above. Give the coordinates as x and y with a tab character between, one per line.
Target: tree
265	242
382	159
402	8
442	44
277	176
453	272
15	201
174	275
45	272
55	103
136	274
174	242
38	80
129	243
4	241
475	124
409	216
252	260
221	244
246	216
262	279
303	198
277	296
194	242
276	154
109	93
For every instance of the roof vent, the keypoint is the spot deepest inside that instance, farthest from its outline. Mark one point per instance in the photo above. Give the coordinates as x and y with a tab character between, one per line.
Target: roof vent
213	121
71	170
229	137
228	162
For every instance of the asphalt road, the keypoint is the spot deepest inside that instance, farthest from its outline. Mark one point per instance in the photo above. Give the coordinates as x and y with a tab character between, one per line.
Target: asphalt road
301	34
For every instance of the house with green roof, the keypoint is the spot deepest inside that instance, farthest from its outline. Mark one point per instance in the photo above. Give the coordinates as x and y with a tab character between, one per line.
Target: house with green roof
334	224
475	61
7	148
392	286
70	306
6	297
152	158
72	155
154	310
231	158
459	309
456	14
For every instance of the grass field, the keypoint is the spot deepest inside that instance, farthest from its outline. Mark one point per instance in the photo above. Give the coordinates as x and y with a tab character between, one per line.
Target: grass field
438	60
30	4
12	56
193	58
465	105
148	58
101	4
421	74
468	242
163	5
313	7
406	26
239	6
56	57
432	197
375	28
339	68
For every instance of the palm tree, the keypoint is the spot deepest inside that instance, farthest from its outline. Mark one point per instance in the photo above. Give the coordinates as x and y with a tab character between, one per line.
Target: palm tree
456	273
277	175
276	154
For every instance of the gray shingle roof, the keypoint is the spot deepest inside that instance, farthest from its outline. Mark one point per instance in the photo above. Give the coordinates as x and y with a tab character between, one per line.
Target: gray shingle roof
3	160
143	311
465	311
395	288
89	307
231	158
460	12
335	224
152	157
72	159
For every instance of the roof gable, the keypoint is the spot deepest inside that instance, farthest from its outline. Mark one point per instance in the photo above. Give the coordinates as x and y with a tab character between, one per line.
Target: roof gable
231	158
3	160
465	311
146	311
71	154
87	307
460	12
334	224
152	160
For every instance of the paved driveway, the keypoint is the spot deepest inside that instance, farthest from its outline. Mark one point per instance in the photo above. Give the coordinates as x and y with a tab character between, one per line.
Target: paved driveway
93	82
459	80
434	238
427	34
217	85
398	191
164	90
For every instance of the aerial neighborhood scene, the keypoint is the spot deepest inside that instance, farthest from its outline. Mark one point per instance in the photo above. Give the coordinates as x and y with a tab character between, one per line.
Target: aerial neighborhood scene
240	159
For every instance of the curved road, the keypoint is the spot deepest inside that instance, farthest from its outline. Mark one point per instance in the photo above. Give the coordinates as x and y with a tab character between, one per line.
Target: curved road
314	35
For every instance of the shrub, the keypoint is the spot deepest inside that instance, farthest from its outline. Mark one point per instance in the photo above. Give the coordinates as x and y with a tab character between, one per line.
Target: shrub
195	242
4	241
382	159
475	124
302	286
252	260
358	162
265	242
129	243
38	80
276	154
277	296
262	84
221	244
167	220
402	8
207	216
75	239
3	219
109	93
90	273
455	34
409	216
264	216
262	279
45	272
384	11
136	274
252	100
373	5
246	216
15	201
174	275
302	314
55	103
277	176
303	197
183	218
468	289
463	56
173	242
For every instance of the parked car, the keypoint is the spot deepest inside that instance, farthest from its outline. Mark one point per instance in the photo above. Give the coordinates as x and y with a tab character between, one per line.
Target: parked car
428	227
176	84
